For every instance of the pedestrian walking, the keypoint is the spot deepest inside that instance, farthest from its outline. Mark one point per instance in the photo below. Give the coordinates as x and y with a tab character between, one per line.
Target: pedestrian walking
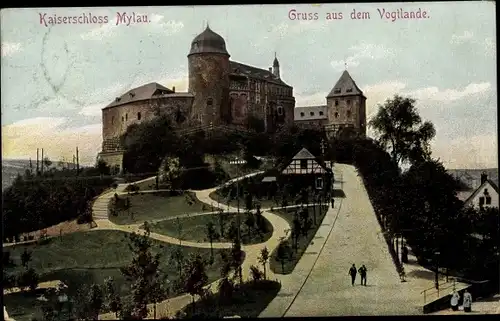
455	297
333	202
352	273
467	301
362	273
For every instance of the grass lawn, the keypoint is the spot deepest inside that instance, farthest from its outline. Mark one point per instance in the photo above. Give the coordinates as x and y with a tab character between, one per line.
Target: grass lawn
90	257
303	241
157	206
248	301
194	228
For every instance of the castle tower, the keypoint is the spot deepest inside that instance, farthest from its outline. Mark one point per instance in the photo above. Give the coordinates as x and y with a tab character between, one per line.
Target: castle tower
346	105
276	67
209	70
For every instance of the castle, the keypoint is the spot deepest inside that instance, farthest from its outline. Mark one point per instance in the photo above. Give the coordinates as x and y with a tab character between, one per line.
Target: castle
225	92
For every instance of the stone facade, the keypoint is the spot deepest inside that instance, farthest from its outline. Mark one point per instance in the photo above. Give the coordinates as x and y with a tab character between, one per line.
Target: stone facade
209	84
345	108
220	92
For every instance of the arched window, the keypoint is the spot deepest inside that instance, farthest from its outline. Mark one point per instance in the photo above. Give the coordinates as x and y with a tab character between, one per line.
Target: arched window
280	110
139	116
336	115
126	117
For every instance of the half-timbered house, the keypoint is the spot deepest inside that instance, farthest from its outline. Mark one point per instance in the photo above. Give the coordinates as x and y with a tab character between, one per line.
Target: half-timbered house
307	170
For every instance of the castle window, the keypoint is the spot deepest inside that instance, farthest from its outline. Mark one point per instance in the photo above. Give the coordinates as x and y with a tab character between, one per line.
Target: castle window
349	90
312	113
336	91
126	117
348	113
210	102
348	102
139	116
488	200
112	120
336	115
321	113
123	118
280	110
336	102
301	114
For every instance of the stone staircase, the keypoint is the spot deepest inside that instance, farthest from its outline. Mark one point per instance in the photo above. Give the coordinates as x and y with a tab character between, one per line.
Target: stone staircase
100	206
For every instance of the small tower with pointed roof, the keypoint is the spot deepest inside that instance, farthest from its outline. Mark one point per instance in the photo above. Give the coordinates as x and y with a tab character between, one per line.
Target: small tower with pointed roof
276	67
209	70
346	105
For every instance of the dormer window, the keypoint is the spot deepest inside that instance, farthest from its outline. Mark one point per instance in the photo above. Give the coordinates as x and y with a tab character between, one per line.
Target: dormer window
336	91
117	99
195	45
312	113
131	95
349	90
302	114
321	113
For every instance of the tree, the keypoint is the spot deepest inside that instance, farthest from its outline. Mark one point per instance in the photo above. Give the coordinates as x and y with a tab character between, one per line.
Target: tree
250	222
283	254
222	221
170	171
143	272
103	167
25	258
296	231
196	277
177	256
211	235
90	300
112	299
237	258
256	273
400	129
264	258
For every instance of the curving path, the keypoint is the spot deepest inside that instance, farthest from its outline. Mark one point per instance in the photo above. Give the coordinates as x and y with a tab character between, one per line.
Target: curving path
252	252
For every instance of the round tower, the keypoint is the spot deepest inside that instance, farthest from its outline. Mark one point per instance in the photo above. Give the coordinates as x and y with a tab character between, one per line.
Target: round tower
209	70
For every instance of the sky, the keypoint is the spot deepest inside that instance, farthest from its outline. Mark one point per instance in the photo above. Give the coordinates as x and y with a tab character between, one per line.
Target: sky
55	79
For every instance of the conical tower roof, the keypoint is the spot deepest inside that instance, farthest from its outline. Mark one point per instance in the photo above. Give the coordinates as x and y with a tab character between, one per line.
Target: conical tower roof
345	86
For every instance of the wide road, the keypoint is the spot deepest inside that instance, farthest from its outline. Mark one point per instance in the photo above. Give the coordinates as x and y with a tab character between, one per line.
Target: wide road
355	238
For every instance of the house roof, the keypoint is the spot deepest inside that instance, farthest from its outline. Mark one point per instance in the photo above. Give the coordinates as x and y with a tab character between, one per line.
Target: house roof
238	69
345	86
474	193
304	154
143	92
310	113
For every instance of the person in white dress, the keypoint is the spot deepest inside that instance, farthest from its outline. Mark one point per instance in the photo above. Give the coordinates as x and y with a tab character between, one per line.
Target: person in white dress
467	301
455	297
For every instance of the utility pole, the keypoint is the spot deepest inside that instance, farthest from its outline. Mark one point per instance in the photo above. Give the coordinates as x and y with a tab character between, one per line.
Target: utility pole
31	167
42	161
74	162
77	162
37	159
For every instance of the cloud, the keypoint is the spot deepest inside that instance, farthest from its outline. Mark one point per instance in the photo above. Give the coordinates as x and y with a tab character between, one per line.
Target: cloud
156	23
360	52
467	152
489	47
462	38
103	31
21	139
316	99
10	48
449	95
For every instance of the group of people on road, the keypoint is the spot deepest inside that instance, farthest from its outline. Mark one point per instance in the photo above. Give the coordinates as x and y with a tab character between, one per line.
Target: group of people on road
467	300
362	272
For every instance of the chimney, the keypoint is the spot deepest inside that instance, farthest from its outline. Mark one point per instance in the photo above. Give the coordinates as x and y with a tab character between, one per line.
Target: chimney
484	178
270	69
173	89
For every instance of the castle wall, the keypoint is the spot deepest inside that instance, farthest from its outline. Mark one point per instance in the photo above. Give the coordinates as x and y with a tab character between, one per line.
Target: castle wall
209	83
113	159
347	110
314	123
115	120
